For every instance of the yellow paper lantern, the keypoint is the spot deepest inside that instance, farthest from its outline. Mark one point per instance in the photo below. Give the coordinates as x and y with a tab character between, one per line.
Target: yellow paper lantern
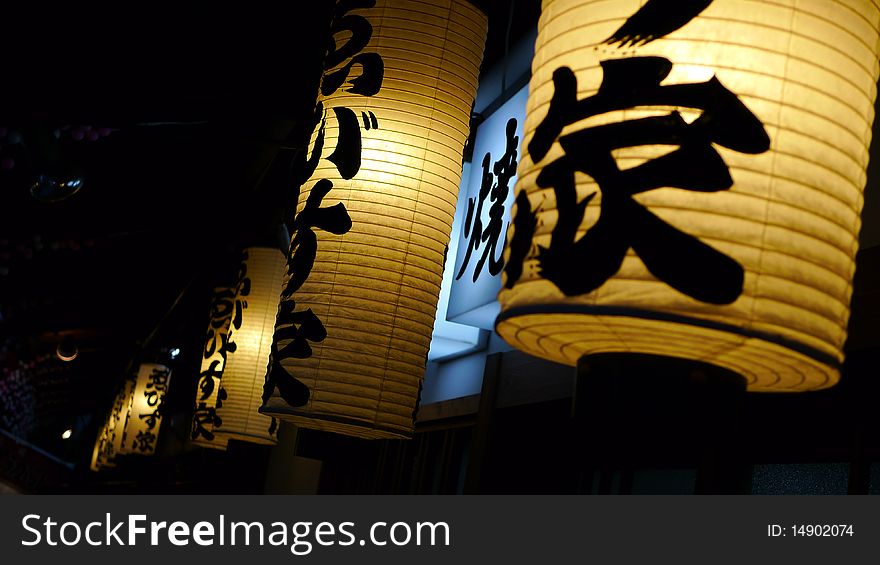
244	316
142	426
214	358
110	437
691	183
135	418
375	215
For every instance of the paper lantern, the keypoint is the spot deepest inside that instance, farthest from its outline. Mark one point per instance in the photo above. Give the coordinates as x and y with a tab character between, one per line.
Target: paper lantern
237	353
374	216
133	423
141	432
691	183
110	437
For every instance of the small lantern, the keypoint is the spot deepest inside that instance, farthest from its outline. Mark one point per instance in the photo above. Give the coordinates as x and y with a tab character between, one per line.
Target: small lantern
145	413
237	353
691	183
374	216
110	437
133	423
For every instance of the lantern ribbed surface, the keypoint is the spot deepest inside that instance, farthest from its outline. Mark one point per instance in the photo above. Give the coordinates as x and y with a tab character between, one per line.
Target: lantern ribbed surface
808	71
132	426
141	428
376	287
206	399
109	438
245	369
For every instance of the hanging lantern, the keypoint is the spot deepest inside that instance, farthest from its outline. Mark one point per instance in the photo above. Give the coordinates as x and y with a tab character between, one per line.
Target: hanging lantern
141	431
691	183
132	425
374	216
214	358
236	355
109	439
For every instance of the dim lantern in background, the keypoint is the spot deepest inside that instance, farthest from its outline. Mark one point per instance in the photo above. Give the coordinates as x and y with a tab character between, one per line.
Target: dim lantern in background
135	419
374	216
110	436
236	354
691	184
145	414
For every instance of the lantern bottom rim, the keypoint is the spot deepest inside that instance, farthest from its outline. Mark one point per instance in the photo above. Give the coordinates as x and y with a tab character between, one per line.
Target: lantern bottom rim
567	332
335	424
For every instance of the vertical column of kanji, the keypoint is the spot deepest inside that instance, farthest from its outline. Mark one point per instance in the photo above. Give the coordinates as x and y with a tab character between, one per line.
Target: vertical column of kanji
218	344
236	352
691	184
242	384
110	436
145	415
374	215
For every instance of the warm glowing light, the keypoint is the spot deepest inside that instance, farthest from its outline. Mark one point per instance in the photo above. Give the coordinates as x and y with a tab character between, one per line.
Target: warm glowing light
67	434
134	420
808	72
375	287
240	376
144	419
67	350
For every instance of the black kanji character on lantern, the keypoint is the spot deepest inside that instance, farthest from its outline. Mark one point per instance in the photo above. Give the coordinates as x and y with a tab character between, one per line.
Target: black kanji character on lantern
242	289
158	379
369	81
207	378
204	419
656	19
223	316
150	419
300	328
496	191
154	393
144	441
227	315
578	266
304	246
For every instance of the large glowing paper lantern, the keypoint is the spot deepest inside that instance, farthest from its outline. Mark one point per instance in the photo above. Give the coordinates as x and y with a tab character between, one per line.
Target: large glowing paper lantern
237	354
374	215
691	183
